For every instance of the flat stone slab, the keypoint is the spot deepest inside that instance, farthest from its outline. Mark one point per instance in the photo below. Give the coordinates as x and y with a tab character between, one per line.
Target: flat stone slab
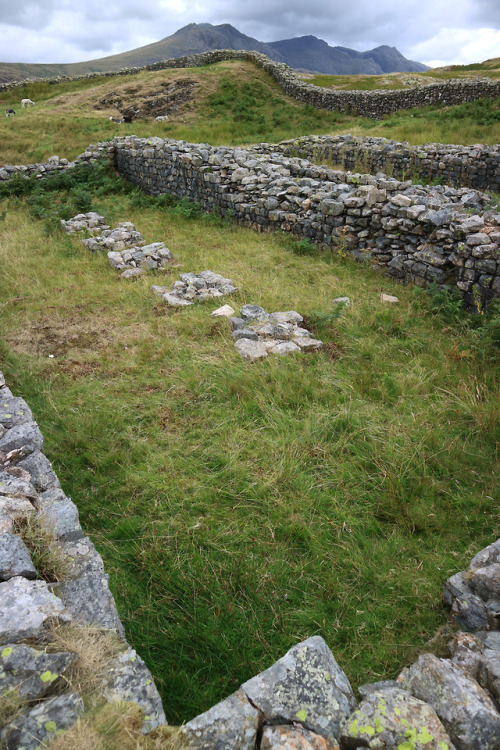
467	712
26	435
174	301
35	728
25	608
391	718
13	411
15	560
232	723
251	350
307	686
130	680
29	671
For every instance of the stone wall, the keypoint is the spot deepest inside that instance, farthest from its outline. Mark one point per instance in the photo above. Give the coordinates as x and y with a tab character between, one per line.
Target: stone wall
303	701
413	233
72	588
475	166
372	104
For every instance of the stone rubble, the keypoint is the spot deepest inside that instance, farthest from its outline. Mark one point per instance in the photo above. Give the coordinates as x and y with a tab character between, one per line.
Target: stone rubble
89	223
193	287
123	236
258	333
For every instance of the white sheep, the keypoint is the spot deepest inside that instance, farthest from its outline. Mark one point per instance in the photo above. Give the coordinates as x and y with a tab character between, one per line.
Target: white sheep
27	103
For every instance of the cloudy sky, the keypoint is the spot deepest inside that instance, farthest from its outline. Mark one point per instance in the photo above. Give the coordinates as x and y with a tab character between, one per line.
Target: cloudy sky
437	32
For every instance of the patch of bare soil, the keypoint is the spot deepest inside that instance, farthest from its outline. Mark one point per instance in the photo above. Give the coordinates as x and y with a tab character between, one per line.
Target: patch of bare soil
59	337
165	99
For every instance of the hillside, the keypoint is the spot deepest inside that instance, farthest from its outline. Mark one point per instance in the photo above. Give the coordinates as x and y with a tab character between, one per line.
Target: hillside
307	53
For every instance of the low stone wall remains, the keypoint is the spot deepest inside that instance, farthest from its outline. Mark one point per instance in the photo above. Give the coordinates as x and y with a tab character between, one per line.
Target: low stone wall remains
304	700
416	234
374	104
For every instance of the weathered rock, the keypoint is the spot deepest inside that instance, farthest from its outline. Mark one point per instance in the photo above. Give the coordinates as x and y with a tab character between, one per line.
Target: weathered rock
253	312
485	581
175	301
15	559
13	486
90	222
467	712
371	687
26	436
251	350
25	608
466	651
286	317
129	679
36	727
40	469
60	515
226	311
284	347
13	411
132	273
345	301
294	738
31	672
389	298
308	344
13	509
392	718
232	723
305	685
486	556
86	594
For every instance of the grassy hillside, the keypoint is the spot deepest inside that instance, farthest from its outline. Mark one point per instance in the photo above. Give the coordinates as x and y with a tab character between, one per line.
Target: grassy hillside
230	103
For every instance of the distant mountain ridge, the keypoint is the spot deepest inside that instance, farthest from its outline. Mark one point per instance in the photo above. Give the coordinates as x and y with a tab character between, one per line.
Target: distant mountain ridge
306	53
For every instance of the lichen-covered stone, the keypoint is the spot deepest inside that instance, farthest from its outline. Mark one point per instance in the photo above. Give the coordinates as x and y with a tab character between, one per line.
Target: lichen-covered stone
13	411
488	673
392	718
129	679
486	556
25	608
231	724
467	712
13	486
485	581
307	686
294	738
250	350
31	672
36	727
15	560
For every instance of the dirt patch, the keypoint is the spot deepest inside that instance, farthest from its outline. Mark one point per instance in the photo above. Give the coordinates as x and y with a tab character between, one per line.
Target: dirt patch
133	103
60	337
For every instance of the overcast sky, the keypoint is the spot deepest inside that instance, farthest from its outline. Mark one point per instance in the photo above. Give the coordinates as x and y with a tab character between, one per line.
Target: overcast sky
436	32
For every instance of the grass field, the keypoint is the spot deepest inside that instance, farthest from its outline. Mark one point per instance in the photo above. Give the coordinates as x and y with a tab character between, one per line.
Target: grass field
234	103
242	508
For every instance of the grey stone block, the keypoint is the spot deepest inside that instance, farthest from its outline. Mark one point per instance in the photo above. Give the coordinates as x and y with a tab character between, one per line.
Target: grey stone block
31	672
40	469
232	723
15	559
25	608
306	685
35	728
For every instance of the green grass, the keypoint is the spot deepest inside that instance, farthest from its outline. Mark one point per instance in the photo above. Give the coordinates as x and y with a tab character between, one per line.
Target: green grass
235	104
242	508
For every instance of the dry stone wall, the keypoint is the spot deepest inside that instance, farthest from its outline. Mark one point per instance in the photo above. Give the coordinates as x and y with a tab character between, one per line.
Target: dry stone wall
417	234
372	104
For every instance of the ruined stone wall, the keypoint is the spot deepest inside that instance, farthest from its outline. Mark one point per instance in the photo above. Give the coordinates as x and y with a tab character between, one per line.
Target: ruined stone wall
372	104
413	233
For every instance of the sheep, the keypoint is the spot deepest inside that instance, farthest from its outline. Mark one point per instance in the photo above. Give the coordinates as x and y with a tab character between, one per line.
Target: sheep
9	112
27	103
114	119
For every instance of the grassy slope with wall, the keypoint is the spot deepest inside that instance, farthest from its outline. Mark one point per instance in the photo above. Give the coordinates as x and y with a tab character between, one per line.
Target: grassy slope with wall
240	509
